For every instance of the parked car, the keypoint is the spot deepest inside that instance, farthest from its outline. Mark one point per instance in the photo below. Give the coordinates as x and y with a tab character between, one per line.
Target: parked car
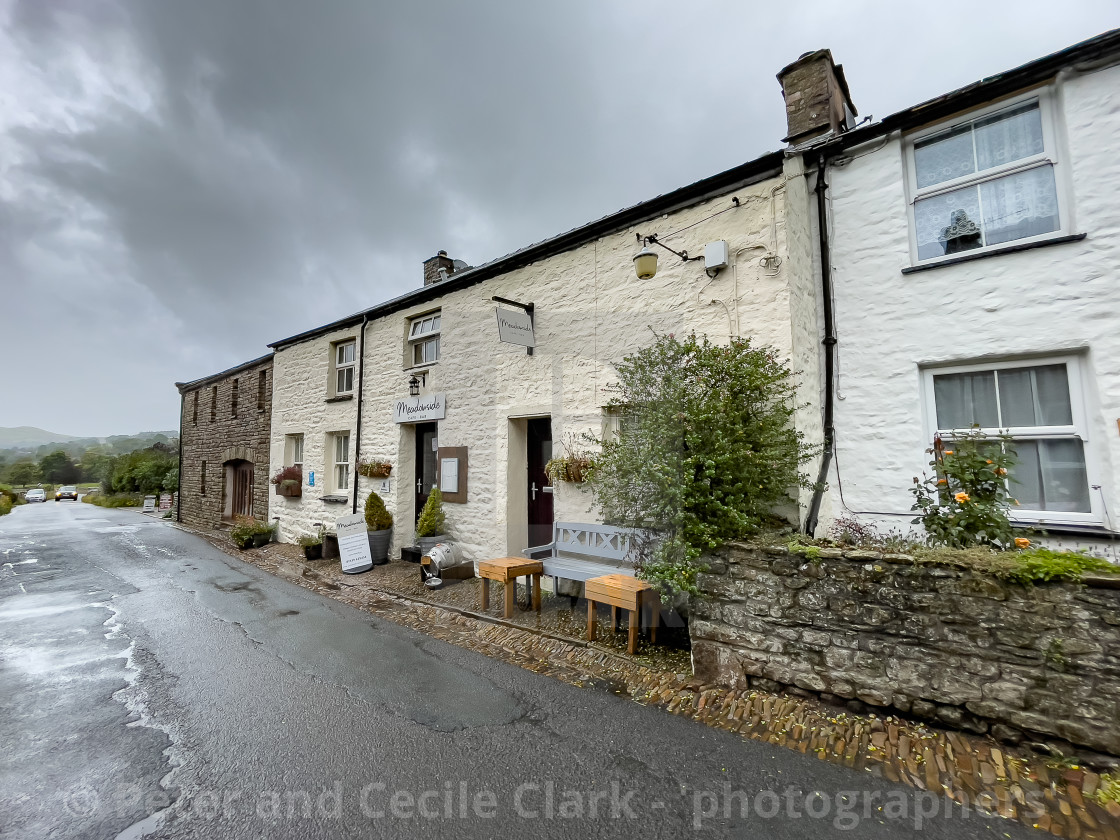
36	495
67	492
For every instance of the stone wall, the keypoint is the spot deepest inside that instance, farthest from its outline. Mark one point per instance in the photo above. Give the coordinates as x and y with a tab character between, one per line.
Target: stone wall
955	646
226	437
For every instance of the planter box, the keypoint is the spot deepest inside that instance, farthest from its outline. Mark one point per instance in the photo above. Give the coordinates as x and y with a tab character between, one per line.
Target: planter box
292	491
313	552
330	546
411	554
379	545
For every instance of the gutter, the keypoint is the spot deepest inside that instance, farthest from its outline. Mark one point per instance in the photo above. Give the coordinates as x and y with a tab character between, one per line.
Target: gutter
829	342
358	426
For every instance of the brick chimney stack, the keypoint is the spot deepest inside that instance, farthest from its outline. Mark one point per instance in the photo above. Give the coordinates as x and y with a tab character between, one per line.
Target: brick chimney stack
433	265
817	98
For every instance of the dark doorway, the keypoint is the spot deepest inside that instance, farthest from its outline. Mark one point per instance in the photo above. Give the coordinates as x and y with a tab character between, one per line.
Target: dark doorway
539	444
238	489
425	463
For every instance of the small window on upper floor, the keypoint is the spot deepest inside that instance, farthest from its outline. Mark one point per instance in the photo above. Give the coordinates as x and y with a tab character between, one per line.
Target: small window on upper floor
343	357
423	339
213	403
233	399
293	450
985	182
262	390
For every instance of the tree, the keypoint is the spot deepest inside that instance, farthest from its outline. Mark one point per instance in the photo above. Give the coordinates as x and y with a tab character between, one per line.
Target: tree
57	468
23	473
706	450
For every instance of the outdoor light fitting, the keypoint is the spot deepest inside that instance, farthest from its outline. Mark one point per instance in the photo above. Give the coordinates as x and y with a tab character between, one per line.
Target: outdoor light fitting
413	386
645	261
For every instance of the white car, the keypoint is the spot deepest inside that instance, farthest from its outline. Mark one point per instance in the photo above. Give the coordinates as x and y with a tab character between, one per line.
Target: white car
36	495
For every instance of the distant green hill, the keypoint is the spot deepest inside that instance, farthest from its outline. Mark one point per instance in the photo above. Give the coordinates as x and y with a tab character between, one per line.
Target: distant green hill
20	437
27	441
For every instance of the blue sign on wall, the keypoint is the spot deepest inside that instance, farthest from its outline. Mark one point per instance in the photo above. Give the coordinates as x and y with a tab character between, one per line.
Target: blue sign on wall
311	479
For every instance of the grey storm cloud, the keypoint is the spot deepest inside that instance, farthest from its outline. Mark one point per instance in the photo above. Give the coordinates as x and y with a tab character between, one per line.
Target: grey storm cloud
182	182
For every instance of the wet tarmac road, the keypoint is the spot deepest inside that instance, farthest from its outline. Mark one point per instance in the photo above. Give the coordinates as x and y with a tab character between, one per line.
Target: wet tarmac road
151	685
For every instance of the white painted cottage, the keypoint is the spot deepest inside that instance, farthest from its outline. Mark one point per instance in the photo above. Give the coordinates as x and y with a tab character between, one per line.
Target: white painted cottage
973	248
500	411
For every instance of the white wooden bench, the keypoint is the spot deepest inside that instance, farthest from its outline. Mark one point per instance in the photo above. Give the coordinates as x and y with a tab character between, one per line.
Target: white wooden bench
579	551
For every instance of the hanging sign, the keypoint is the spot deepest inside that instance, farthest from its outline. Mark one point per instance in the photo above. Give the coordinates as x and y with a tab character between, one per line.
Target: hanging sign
353	544
420	409
515	326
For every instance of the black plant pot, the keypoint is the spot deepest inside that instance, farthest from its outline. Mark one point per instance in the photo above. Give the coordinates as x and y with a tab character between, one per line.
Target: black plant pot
313	552
379	545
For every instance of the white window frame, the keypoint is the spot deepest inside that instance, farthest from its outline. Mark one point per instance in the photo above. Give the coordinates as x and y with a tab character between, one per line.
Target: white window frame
1079	429
418	337
293	450
1051	156
340	470
337	366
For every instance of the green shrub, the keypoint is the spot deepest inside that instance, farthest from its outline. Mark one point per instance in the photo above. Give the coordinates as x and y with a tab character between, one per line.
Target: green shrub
5	505
114	500
246	527
14	498
309	540
965	502
1109	789
1039	565
377	518
706	451
432	520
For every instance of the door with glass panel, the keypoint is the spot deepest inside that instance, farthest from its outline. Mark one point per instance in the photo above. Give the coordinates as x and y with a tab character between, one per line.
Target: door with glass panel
427	444
1037	406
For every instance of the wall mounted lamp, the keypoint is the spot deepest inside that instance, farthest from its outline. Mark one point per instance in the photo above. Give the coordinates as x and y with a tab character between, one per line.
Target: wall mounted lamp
645	261
413	386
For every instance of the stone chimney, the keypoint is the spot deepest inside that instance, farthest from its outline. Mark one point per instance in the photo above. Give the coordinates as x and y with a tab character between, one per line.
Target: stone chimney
438	268
817	98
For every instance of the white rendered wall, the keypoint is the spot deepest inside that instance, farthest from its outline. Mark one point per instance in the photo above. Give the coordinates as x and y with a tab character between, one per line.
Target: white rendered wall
1060	299
591	311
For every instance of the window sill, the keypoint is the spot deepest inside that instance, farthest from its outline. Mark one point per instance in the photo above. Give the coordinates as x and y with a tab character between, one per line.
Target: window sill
1067	529
420	370
340	398
1008	249
334	499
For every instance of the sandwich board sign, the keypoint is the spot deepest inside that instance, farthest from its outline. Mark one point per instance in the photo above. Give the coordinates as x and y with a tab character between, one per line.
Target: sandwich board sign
353	544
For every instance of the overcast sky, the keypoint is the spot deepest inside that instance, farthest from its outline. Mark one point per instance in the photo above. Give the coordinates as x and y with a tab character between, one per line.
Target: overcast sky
183	181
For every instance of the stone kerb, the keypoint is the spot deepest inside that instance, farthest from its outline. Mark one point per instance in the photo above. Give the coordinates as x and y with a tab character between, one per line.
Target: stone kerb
953	645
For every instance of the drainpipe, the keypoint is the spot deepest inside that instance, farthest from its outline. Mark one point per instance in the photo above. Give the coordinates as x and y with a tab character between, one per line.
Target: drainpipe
179	485
829	343
358	427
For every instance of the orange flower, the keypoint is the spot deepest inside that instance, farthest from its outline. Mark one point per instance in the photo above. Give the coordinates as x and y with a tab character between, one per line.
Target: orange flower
948	451
942	481
1022	542
961	497
988	461
1001	471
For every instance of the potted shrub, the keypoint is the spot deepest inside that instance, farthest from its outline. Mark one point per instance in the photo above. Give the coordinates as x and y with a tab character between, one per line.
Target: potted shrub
312	546
379	525
262	534
289	482
432	523
573	467
375	469
242	532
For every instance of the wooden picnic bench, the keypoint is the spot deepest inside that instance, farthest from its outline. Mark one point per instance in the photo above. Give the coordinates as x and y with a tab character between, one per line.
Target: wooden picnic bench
508	570
625	593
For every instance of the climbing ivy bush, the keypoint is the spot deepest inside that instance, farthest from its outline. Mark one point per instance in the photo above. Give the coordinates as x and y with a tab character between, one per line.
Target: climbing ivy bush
966	499
706	450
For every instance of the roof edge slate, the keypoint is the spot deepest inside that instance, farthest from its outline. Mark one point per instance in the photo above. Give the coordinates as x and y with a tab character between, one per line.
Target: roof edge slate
982	91
196	383
766	166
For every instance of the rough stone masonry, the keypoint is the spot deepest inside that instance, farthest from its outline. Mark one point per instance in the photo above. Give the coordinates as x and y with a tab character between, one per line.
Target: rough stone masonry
954	645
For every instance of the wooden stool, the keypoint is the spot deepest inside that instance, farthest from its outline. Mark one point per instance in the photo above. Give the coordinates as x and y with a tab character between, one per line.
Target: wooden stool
508	570
627	593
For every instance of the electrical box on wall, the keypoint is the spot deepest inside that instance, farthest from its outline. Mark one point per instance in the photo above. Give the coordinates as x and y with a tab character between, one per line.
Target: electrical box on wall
715	255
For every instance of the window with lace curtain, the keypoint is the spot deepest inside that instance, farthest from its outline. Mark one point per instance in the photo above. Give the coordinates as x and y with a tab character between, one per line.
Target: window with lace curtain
1038	405
984	182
